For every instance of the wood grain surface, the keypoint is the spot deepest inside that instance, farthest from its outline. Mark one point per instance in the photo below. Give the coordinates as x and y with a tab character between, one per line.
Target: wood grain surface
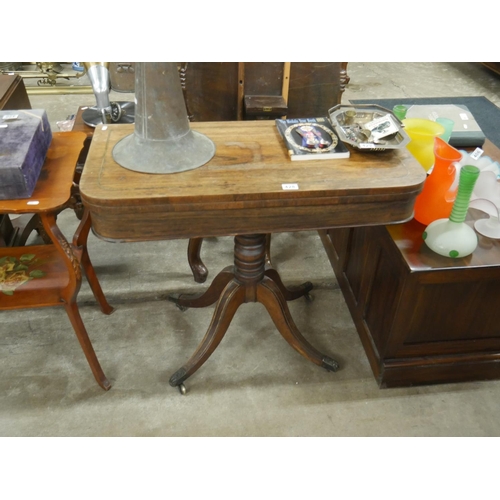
240	191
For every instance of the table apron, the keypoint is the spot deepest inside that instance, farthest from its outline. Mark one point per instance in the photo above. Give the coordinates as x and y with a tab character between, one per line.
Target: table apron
154	222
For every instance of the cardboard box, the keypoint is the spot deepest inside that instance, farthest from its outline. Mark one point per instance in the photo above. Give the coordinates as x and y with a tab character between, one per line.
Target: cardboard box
25	137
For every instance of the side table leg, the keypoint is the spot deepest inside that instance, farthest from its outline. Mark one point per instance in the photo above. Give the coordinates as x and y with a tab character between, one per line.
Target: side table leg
269	294
80	243
290	293
68	294
232	297
206	298
95	286
85	343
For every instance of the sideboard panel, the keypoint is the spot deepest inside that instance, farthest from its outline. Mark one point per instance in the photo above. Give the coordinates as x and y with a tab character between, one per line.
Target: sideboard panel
422	318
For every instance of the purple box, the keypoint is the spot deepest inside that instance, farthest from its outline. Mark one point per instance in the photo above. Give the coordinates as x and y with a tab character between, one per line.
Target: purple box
25	137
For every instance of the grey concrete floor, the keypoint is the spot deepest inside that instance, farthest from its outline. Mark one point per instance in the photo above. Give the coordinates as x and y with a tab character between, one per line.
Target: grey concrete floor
254	384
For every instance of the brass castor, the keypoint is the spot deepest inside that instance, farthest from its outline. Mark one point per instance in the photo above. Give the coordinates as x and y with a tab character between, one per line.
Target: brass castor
182	389
330	364
173	297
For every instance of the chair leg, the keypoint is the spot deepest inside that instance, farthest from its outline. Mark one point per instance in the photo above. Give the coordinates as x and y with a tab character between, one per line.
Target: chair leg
86	344
200	272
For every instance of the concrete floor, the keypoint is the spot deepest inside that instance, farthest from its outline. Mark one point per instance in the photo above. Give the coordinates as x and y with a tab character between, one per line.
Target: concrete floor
254	384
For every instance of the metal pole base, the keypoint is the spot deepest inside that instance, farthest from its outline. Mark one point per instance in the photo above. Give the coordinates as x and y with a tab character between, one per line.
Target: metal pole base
166	156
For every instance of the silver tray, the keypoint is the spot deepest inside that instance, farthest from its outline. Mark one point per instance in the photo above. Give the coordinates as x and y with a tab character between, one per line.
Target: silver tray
348	121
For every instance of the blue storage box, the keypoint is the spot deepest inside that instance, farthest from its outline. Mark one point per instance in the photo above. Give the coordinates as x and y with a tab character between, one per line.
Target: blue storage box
25	137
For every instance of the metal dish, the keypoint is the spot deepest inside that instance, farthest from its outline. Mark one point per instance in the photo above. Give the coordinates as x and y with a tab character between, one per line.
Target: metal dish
349	121
125	113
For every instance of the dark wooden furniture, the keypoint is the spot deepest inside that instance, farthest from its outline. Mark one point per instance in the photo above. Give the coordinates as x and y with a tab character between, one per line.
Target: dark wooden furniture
422	318
217	91
122	76
240	192
493	66
13	95
50	275
257	90
80	126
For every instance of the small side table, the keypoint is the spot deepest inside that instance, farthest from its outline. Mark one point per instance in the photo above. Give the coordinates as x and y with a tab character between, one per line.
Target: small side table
50	275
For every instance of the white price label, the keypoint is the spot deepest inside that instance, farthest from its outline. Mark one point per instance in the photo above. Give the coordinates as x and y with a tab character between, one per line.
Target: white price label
476	154
10	117
288	187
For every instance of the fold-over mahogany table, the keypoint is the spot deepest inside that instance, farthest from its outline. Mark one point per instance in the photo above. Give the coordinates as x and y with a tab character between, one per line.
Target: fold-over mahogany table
248	189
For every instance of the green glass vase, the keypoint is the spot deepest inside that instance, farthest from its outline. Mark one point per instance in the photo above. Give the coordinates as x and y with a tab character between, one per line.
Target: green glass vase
453	237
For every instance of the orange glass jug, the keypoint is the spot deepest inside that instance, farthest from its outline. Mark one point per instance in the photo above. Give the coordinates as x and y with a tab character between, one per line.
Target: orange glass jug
439	192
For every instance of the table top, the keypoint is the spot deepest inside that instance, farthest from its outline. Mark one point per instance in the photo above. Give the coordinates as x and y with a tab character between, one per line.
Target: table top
241	189
53	189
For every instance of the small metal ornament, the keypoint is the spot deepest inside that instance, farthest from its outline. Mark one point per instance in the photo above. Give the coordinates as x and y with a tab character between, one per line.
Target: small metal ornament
119	112
105	111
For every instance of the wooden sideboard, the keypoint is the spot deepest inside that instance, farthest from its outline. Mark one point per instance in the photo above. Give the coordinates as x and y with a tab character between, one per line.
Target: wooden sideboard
422	318
13	95
494	66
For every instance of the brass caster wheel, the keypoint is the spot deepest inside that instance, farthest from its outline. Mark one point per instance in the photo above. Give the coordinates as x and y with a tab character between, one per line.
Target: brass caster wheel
182	389
309	297
330	364
174	297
